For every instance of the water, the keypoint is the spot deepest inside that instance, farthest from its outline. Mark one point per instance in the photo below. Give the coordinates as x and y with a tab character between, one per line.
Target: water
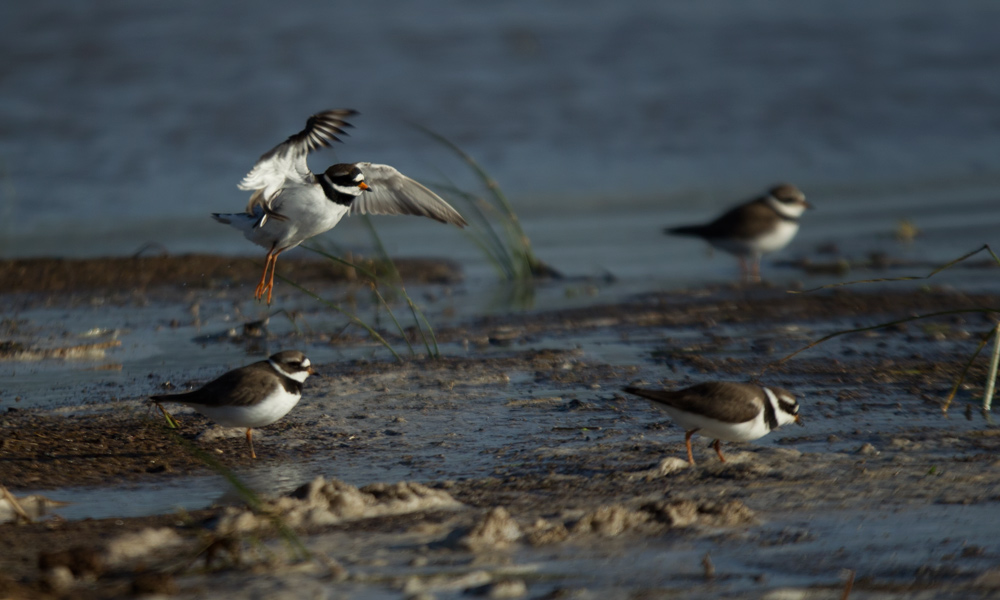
123	124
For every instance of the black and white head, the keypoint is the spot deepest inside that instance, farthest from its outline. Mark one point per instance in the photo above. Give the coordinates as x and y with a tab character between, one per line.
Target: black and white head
292	364
788	200
346	179
786	407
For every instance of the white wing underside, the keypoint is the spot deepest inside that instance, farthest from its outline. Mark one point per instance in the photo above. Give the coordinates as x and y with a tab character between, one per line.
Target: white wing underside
285	165
393	193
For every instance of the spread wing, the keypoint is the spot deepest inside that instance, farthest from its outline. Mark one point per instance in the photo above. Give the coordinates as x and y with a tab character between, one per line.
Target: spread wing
724	401
287	160
393	193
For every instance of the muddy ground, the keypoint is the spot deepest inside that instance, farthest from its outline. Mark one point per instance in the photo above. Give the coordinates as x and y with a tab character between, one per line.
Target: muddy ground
531	475
150	270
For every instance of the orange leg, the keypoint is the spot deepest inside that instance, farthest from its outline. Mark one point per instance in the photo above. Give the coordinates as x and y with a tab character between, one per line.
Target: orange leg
687	441
270	282
267	283
718	450
250	442
259	292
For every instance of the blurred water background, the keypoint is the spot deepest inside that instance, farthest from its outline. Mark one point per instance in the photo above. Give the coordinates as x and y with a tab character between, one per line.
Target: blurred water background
123	123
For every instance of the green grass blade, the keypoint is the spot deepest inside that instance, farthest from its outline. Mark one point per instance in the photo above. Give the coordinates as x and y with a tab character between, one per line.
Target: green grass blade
965	371
781	361
402	288
995	360
991	379
524	262
353	318
502	266
169	418
485	229
398	289
402	332
435	353
244	491
490	183
985	247
380	247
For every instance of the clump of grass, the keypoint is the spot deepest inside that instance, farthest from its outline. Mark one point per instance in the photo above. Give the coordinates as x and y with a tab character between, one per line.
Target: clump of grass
993	333
495	227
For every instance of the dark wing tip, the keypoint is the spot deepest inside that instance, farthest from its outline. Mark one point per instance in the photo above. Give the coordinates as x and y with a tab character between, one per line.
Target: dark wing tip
335	118
323	128
338	112
631	389
658	396
683	230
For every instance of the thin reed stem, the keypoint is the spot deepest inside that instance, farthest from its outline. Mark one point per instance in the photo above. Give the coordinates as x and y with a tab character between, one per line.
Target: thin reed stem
965	371
398	289
985	247
788	357
991	379
515	255
994	362
354	319
244	491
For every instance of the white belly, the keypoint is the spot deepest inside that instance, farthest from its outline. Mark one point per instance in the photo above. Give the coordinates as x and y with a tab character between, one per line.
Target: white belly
776	240
728	432
307	213
275	406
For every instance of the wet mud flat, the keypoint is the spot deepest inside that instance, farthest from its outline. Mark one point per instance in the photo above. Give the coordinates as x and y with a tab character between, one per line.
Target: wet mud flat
145	271
514	467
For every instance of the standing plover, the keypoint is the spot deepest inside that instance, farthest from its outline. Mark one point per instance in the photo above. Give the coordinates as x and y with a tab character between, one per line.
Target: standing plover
734	412
754	228
252	396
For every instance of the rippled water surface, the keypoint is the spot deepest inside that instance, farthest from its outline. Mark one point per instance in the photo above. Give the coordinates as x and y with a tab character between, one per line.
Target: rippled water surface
124	123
